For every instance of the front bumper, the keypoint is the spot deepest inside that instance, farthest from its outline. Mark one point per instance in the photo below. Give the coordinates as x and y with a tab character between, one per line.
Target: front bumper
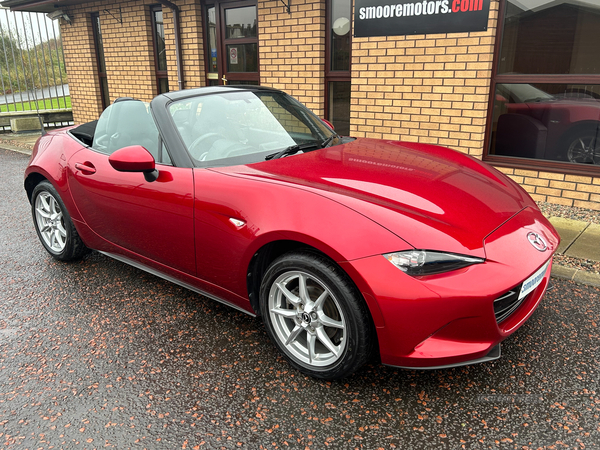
492	355
449	320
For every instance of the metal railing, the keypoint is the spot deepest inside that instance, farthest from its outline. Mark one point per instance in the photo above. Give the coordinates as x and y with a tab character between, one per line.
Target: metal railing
32	66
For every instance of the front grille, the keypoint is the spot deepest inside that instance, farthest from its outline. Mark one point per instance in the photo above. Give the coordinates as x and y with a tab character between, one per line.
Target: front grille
506	304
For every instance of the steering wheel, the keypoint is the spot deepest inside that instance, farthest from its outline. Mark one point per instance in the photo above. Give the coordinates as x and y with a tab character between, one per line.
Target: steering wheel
195	148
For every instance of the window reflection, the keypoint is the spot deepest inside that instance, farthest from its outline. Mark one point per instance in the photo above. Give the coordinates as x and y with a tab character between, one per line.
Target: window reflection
559	122
240	22
160	50
212	40
242	58
340	34
339	106
550	37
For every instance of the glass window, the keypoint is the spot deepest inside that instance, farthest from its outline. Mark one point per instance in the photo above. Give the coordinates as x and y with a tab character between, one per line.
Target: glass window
104	95
159	36
212	40
244	127
339	106
240	22
242	58
546	90
558	122
337	74
550	37
340	34
126	123
160	54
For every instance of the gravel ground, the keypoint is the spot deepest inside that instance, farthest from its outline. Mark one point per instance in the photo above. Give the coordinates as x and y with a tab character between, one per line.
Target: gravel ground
572	212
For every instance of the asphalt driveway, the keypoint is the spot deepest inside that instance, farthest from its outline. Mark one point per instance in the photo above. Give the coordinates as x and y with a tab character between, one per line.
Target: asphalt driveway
98	354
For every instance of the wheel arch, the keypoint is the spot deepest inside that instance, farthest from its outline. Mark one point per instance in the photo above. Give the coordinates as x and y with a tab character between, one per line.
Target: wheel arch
581	125
578	127
32	180
269	252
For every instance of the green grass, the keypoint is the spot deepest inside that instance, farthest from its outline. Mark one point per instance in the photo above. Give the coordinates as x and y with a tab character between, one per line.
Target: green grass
61	102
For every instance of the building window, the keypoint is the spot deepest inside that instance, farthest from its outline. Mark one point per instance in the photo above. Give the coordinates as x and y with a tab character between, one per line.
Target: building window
545	105
160	54
211	47
101	64
232	43
337	73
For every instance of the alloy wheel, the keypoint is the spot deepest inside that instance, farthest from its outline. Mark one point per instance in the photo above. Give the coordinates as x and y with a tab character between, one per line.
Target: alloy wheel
584	150
307	319
50	221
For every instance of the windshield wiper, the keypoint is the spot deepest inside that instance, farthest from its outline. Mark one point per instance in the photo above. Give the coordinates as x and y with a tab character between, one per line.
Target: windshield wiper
292	149
329	140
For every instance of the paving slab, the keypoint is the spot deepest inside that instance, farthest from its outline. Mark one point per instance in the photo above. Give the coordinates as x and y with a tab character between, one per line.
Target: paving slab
587	245
568	229
19	142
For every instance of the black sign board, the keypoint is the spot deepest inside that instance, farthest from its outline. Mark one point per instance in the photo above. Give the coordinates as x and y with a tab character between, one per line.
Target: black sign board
402	17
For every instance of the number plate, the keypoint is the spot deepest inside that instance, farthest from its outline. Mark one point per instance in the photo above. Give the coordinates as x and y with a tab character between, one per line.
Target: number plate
533	281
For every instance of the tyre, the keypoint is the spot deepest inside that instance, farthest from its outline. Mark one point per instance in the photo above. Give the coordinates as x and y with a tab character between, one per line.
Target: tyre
315	316
53	224
583	147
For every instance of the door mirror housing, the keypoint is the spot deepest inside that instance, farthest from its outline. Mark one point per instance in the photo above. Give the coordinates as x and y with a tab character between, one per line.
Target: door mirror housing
134	158
328	123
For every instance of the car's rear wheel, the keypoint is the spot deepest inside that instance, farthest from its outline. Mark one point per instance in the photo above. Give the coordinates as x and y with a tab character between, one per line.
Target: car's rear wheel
315	315
53	224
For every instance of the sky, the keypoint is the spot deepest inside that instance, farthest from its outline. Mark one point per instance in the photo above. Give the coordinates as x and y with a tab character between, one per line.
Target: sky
36	26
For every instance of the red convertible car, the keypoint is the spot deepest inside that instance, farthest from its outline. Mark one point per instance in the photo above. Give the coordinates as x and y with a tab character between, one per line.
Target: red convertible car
348	249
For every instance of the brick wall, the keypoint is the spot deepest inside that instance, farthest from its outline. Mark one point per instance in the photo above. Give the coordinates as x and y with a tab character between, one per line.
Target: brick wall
192	47
424	88
128	52
80	59
570	190
292	50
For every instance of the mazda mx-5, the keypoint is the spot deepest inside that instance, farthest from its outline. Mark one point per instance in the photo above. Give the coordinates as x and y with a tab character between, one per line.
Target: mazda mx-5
348	249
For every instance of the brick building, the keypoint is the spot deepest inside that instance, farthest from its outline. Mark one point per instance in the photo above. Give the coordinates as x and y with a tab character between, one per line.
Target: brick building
522	91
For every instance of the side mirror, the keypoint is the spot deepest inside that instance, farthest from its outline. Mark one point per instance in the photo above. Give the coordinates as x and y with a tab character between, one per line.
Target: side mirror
328	123
134	158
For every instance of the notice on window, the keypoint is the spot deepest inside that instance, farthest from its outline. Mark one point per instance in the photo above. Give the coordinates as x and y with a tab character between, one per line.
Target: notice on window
233	56
390	18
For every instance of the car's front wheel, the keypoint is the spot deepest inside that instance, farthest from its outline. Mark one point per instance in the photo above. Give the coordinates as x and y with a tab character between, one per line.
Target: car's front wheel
53	224
315	315
584	147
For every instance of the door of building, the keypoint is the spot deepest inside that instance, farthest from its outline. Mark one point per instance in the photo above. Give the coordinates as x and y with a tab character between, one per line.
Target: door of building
232	43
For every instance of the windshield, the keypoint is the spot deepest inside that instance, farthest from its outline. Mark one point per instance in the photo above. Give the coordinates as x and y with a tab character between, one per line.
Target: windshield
242	127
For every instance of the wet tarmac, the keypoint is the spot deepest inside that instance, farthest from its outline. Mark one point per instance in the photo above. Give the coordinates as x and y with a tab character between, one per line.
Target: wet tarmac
97	354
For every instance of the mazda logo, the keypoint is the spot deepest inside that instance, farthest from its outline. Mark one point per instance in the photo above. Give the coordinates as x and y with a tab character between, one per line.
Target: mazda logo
537	241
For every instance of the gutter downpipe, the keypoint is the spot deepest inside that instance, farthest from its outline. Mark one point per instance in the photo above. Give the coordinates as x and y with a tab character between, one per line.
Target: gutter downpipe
176	12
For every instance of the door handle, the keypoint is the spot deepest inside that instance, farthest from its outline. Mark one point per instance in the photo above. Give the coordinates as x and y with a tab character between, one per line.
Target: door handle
87	168
224	80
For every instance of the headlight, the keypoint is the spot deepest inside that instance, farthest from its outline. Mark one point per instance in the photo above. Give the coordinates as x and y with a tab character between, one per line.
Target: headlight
426	262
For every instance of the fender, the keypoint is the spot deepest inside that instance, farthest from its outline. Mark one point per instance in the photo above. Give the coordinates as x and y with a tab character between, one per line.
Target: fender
51	163
271	213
